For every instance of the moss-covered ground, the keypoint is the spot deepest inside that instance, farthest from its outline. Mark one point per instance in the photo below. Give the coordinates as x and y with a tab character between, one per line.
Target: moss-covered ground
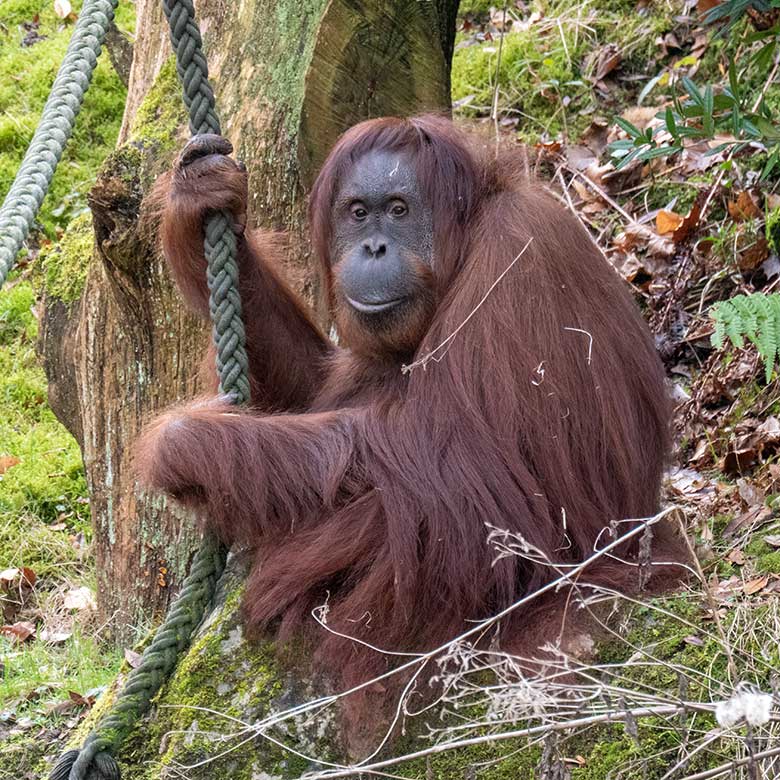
44	508
33	40
563	64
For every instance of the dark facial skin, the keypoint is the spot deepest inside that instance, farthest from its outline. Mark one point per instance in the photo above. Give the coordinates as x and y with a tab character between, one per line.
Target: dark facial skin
382	242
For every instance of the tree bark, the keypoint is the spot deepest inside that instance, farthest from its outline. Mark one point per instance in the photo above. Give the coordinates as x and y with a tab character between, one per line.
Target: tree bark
289	78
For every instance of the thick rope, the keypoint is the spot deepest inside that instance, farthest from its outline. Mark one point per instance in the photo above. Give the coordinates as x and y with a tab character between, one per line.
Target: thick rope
23	200
95	760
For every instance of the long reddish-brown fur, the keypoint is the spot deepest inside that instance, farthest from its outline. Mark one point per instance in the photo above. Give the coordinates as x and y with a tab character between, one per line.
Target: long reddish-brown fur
350	481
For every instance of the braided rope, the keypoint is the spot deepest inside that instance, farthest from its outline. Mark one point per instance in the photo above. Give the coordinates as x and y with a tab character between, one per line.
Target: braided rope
220	241
158	660
94	761
225	307
23	200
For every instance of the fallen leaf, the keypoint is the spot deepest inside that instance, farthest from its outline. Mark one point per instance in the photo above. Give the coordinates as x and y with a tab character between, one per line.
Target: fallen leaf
773	540
737	557
54	637
753	518
132	658
689	223
693	640
668	221
745	207
750	493
20	631
703	6
608	59
62	8
81	701
725	589
579	157
79	598
7	462
754	255
756	585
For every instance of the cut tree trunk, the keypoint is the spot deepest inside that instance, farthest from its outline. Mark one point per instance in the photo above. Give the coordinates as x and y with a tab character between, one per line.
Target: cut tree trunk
289	78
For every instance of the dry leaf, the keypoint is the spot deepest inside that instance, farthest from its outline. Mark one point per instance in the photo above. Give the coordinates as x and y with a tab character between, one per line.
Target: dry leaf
81	701
608	59
132	658
737	557
7	462
703	6
14	578
754	255
753	518
54	637
750	493
79	598
668	221
689	223
773	540
20	631
62	8
754	586
744	207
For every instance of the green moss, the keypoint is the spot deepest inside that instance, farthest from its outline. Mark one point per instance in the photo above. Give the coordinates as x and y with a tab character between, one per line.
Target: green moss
501	760
222	676
773	229
65	263
764	558
161	113
544	71
47	483
23	750
26	76
475	7
534	74
663	192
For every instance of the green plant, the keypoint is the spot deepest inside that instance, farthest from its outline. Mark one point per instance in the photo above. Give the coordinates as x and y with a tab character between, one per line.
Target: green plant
701	114
731	11
755	316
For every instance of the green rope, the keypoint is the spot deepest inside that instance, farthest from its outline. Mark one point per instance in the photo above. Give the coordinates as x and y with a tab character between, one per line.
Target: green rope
95	761
23	200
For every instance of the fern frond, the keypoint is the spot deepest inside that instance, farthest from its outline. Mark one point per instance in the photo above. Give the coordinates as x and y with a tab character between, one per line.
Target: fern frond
755	316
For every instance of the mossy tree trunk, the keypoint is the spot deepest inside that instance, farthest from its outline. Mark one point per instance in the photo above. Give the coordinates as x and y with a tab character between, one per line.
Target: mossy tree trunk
289	78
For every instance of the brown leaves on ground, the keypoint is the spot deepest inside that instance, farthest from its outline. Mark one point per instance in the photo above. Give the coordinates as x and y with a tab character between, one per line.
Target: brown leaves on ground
20	632
7	462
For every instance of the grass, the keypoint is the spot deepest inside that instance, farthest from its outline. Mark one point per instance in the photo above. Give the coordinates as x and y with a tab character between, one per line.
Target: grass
49	672
26	76
44	509
544	76
44	522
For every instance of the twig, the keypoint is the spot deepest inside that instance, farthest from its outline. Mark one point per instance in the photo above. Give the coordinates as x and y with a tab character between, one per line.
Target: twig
737	762
591	720
494	111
